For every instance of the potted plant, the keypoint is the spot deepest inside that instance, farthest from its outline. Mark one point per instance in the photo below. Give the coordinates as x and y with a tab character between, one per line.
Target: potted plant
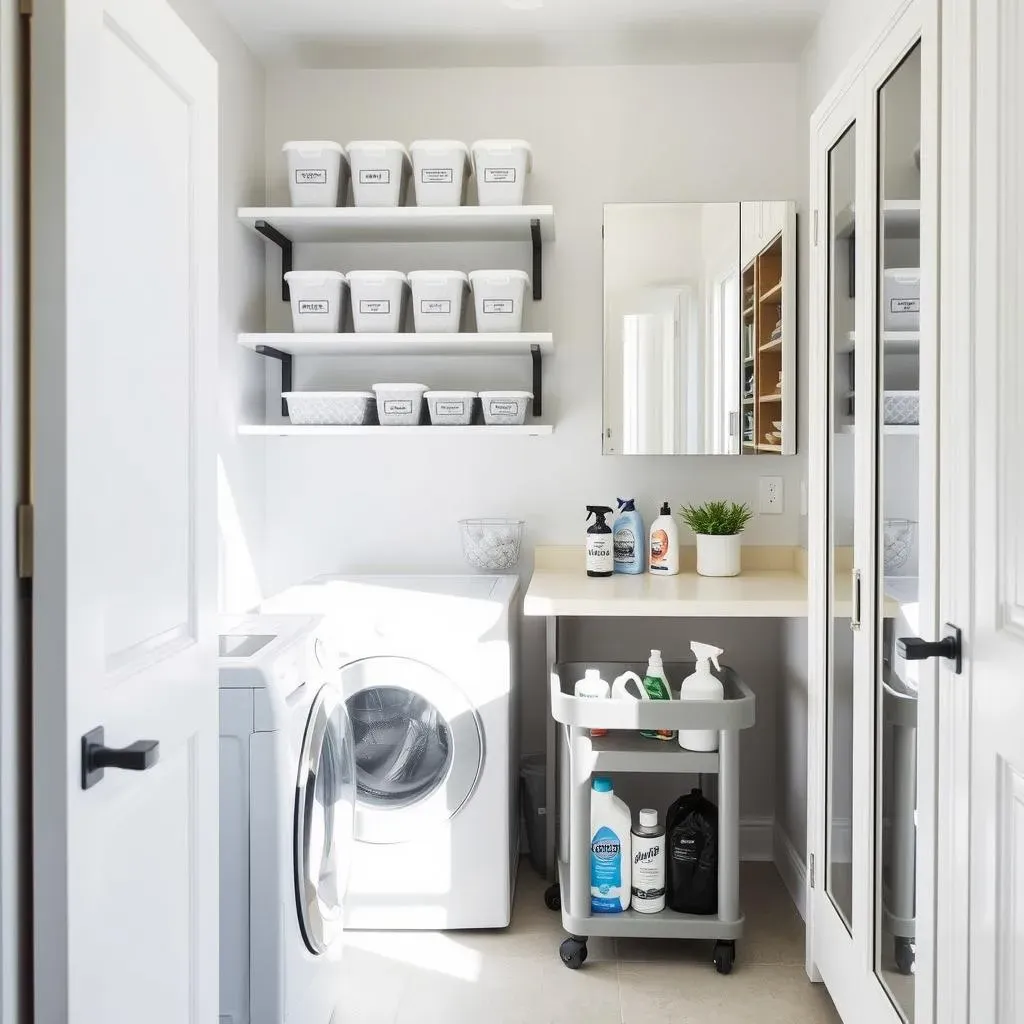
718	525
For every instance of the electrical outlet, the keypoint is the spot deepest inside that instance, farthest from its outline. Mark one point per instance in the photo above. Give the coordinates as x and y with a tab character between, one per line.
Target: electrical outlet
770	495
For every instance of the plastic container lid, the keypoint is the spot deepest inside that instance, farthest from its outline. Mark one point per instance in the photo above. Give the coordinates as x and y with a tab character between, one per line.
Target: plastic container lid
314	146
314	275
483	275
602	784
378	144
418	388
441	276
505	144
451	394
648	817
428	145
327	394
514	394
376	275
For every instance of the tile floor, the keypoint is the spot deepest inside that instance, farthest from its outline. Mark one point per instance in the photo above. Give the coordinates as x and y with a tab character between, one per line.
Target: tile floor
515	976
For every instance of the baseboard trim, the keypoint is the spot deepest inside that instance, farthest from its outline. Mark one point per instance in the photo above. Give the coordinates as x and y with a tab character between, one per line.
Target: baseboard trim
792	869
756	838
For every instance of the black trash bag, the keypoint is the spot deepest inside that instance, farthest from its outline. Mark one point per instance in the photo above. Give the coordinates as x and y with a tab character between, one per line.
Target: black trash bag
692	828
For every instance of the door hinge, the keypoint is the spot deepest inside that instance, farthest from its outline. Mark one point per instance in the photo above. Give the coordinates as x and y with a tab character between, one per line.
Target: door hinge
812	870
26	525
815	227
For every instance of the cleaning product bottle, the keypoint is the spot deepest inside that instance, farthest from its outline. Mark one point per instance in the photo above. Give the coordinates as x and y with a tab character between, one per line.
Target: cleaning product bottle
600	550
656	685
629	538
648	884
593	687
665	543
610	850
692	854
701	685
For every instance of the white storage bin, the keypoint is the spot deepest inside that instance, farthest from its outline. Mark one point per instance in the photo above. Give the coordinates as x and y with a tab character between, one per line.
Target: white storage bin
317	299
450	408
399	405
501	167
902	408
902	296
379	172
343	408
317	173
377	298
498	297
437	300
439	171
507	408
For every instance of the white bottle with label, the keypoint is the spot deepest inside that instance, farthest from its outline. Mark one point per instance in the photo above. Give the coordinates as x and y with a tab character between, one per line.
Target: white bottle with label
593	687
701	685
663	553
610	850
648	882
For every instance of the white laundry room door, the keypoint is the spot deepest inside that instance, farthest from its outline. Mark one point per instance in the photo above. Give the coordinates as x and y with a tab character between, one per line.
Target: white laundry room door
124	338
981	817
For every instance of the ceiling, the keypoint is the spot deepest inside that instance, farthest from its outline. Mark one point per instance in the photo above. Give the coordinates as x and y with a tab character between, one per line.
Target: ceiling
446	33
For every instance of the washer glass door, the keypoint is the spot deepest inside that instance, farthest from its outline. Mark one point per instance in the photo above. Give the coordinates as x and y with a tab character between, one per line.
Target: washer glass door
418	747
324	819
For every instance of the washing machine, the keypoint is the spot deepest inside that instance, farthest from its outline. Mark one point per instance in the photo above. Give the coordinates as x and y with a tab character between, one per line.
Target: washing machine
287	813
427	668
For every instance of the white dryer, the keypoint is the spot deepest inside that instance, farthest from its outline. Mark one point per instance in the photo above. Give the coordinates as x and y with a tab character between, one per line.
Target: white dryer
287	811
427	668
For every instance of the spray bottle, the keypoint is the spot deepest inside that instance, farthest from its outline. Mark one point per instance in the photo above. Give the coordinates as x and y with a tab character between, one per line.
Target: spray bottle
701	685
600	548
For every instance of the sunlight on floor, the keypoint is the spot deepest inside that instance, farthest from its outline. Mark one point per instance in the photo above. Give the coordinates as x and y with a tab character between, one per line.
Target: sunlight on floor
437	952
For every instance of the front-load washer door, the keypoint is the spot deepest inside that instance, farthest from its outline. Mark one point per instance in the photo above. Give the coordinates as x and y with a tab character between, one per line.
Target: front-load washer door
325	798
419	747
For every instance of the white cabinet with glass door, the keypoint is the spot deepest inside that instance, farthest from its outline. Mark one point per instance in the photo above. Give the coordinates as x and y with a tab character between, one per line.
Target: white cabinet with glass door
872	530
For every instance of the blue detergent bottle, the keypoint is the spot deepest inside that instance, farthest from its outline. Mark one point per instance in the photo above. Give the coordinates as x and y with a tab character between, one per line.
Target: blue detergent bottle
629	539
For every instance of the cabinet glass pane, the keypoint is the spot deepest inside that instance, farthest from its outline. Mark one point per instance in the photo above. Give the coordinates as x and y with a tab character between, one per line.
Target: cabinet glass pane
842	166
897	473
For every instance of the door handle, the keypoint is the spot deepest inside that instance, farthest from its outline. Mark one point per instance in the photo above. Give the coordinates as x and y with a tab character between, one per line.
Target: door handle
855	599
913	648
136	757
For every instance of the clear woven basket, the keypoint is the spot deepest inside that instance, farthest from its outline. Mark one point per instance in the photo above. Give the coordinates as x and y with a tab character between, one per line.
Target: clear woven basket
492	544
898	537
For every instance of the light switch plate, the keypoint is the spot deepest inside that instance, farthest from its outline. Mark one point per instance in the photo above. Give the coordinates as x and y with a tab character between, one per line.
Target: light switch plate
770	495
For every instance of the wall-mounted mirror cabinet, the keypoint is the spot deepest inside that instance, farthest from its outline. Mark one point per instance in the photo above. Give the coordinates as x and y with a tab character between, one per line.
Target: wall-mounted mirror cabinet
700	328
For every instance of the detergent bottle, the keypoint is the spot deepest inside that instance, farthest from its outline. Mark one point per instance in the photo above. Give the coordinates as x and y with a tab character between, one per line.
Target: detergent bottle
611	858
701	685
629	538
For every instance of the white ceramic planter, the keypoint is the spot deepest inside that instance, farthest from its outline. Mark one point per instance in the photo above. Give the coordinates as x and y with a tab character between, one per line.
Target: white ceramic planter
718	555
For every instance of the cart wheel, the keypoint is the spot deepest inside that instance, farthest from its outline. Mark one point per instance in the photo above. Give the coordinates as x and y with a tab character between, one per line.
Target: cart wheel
573	952
906	955
553	897
725	956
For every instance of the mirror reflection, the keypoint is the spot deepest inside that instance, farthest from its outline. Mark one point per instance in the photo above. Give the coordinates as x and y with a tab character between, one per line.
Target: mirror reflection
700	328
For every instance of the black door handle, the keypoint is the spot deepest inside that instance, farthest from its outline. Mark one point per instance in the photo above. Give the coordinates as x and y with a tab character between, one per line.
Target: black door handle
913	648
136	757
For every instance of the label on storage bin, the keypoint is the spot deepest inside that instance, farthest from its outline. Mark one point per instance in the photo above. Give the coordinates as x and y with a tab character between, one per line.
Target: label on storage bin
450	408
311	176
904	305
499	305
435	305
397	407
503	407
437	175
374	306
375	176
499	175
319	306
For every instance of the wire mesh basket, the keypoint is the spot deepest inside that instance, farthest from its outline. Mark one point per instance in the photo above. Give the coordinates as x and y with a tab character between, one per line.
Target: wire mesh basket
898	537
492	544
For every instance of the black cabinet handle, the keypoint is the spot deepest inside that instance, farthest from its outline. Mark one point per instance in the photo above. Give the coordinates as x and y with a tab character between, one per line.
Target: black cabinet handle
136	757
913	648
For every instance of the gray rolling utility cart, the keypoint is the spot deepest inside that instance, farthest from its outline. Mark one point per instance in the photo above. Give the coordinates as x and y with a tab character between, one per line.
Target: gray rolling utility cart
625	750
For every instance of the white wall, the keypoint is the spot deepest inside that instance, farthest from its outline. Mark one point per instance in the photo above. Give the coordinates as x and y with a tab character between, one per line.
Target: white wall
241	83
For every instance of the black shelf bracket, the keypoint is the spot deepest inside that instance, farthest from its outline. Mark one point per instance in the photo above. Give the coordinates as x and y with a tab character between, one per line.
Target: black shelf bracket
268	231
538	390
538	263
286	370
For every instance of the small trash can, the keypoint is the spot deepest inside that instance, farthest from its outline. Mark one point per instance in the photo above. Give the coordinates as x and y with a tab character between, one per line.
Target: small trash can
531	777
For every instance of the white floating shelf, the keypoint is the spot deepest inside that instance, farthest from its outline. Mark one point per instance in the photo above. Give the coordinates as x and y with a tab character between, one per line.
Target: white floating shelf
405	223
290	430
902	219
401	344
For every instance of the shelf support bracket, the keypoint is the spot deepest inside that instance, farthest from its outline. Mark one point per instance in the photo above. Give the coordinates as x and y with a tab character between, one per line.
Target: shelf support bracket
538	404
271	233
538	262
286	370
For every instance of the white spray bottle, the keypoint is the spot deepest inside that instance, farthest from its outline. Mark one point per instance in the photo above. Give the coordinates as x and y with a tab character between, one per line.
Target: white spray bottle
701	685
